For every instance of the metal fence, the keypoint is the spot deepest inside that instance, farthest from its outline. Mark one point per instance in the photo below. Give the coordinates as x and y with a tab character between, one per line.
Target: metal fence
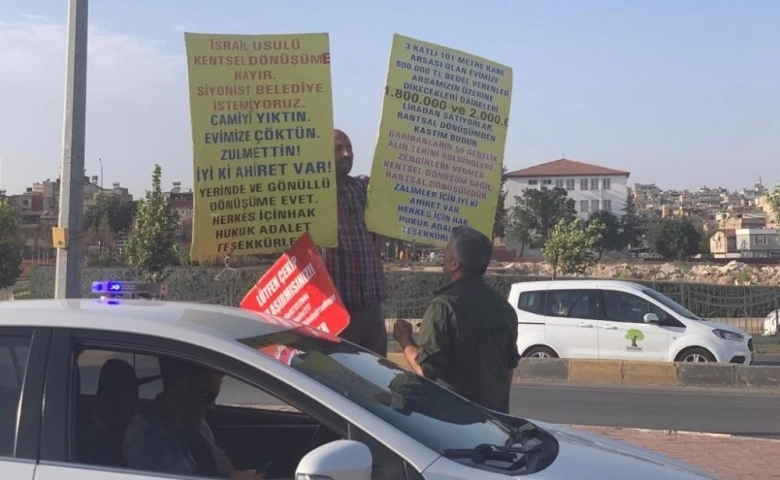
742	306
411	291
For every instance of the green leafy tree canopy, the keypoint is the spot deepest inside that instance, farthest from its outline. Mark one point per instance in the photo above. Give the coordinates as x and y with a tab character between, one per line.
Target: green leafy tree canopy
110	207
10	245
611	239
630	229
520	227
151	247
676	239
541	209
570	248
500	223
773	200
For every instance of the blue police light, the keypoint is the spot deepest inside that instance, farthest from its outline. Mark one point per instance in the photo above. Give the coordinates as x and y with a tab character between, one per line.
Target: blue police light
117	289
107	287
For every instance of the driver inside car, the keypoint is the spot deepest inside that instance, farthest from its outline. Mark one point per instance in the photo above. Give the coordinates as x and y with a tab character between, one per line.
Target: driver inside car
173	436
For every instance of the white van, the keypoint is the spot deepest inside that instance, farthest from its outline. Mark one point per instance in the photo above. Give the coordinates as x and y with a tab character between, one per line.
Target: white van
612	319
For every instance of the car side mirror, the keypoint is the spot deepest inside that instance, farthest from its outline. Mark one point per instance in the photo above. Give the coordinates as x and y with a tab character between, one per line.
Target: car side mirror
337	460
651	318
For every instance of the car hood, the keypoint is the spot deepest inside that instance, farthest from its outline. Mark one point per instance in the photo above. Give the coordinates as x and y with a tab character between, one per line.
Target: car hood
585	455
709	325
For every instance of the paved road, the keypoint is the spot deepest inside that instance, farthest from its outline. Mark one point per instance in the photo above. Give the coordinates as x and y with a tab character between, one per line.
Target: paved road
748	412
744	412
768	359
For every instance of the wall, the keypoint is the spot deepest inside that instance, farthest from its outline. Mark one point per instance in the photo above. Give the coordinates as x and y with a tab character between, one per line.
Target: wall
617	193
746	239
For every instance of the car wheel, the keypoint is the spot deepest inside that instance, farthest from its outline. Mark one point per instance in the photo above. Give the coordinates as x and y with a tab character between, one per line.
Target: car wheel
540	352
696	355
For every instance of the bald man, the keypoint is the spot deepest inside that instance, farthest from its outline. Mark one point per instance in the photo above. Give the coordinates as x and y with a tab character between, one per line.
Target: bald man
356	264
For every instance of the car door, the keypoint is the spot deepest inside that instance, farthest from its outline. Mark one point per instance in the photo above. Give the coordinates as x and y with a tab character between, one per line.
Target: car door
623	333
571	321
58	433
60	430
22	368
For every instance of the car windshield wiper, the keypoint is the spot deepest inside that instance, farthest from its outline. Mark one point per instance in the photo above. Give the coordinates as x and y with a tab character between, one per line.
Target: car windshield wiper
486	452
522	439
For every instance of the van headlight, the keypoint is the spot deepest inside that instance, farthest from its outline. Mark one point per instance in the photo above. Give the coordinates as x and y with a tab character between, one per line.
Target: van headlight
727	335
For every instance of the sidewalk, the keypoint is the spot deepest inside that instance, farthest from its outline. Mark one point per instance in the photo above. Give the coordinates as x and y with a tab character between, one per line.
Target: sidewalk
727	457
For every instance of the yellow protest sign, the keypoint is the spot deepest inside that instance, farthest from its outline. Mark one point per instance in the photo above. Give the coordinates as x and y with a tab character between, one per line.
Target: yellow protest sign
440	147
262	133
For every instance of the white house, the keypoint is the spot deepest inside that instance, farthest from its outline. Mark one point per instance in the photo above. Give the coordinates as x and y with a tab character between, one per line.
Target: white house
592	187
758	242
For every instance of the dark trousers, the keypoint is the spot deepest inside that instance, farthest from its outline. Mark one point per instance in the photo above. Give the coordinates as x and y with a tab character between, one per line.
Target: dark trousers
367	328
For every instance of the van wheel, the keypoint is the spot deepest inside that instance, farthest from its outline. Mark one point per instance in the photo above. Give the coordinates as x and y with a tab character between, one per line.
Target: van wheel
696	355
539	352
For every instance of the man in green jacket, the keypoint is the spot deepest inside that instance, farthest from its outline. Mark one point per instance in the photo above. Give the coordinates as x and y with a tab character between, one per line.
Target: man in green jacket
468	336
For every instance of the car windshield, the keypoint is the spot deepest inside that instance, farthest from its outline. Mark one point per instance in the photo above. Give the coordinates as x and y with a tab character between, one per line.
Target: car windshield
671	304
433	415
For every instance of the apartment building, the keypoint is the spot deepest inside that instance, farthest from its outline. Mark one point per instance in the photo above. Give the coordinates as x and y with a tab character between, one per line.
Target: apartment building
758	243
181	202
38	209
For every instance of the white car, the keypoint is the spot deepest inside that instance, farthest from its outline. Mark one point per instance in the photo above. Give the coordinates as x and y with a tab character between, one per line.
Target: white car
350	414
612	319
770	323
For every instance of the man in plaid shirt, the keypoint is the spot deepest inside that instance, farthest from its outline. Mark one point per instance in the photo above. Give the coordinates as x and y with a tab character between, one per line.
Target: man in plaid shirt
355	265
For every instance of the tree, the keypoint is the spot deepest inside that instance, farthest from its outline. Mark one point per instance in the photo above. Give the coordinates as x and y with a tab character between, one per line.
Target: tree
634	335
10	245
120	214
102	234
520	227
544	208
570	248
629	224
500	223
611	239
673	238
151	247
773	200
704	244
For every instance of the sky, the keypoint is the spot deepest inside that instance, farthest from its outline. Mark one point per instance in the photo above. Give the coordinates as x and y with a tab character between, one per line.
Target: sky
680	93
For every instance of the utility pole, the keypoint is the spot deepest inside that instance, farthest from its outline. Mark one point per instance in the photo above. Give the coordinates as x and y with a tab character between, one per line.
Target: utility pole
69	258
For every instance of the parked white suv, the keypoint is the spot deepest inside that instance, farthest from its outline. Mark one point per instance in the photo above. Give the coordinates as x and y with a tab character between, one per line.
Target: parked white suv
613	319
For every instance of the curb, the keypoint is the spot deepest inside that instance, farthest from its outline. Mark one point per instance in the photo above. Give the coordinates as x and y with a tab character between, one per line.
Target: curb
635	373
664	432
726	436
624	372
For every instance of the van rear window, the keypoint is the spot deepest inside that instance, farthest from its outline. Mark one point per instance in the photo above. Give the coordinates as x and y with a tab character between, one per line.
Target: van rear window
531	302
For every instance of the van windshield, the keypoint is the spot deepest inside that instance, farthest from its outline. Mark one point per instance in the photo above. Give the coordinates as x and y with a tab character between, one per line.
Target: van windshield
671	304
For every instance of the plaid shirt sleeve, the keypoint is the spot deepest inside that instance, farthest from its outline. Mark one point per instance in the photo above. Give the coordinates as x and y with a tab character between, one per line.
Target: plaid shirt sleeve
355	265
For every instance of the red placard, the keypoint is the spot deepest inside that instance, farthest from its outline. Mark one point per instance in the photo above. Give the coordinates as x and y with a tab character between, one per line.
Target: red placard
298	290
